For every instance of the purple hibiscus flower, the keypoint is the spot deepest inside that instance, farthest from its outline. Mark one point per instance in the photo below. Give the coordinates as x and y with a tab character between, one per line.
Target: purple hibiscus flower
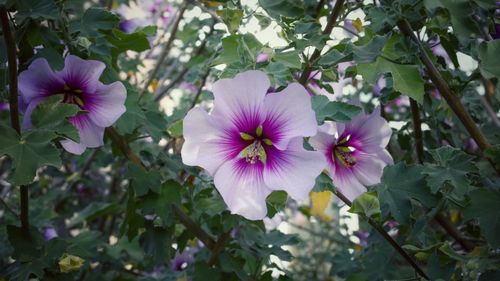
355	151
252	142
49	233
78	83
181	260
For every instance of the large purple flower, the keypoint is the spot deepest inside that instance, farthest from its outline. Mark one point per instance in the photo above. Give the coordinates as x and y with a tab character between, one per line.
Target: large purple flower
78	83
355	152
252	142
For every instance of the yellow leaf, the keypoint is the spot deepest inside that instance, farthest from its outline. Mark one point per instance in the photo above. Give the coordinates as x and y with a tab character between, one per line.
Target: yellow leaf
358	24
319	202
69	263
154	85
212	4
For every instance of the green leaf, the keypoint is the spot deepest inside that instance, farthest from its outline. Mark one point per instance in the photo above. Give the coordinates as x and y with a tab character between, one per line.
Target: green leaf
92	211
161	203
142	181
323	183
287	8
366	204
36	9
370	51
407	78
232	18
289	59
488	56
493	153
30	152
334	57
401	183
484	208
460	12
452	166
276	202
93	21
27	245
133	117
53	57
132	221
52	114
137	41
333	110
156	242
175	129
229	52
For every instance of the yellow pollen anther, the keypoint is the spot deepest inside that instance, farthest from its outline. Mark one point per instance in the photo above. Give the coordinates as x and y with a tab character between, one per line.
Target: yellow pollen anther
258	131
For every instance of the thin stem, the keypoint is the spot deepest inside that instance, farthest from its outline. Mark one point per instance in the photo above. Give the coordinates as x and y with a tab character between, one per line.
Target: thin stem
12	61
337	8
194	228
14	108
185	70
166	49
200	89
387	237
218	247
445	90
417	130
453	232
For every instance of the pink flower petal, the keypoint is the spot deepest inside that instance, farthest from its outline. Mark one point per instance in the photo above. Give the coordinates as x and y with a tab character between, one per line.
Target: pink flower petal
347	183
243	189
240	97
73	147
91	135
106	104
81	74
202	141
293	170
288	115
38	80
368	169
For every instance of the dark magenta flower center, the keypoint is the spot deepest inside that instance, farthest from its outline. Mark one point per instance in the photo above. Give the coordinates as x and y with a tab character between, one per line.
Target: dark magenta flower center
256	148
343	153
73	96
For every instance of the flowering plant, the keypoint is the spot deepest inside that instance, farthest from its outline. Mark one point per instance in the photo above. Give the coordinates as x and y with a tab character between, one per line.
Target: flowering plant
249	140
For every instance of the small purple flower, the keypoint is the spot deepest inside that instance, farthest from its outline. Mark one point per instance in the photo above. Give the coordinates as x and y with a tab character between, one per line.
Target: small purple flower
355	151
363	237
496	35
182	260
262	57
49	233
78	83
350	29
378	86
128	26
470	145
4	106
188	87
438	50
252	142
